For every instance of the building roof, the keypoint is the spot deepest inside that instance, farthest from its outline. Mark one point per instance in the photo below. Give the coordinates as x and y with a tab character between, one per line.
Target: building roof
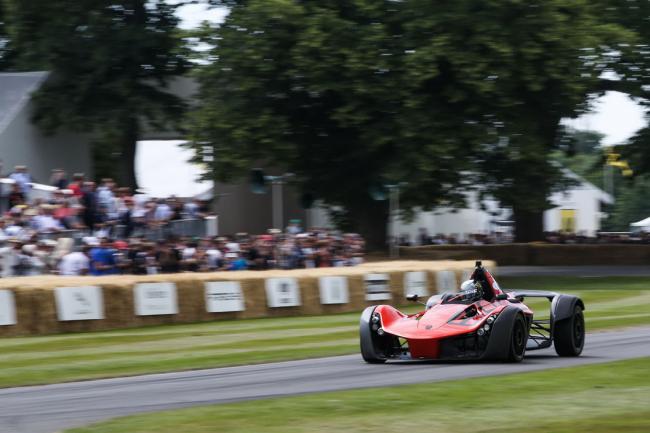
15	91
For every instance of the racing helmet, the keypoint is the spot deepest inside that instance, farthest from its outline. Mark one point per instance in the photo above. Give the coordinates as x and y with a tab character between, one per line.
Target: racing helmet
471	289
467	285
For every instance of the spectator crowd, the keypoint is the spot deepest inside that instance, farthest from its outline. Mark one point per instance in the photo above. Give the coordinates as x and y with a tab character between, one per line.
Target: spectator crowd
81	228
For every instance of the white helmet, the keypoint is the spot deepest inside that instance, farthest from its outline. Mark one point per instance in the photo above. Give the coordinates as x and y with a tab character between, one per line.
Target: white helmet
468	285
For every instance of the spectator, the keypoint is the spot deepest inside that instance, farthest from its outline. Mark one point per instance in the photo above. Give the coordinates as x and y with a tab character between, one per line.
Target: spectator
89	203
45	221
102	259
10	257
235	263
168	258
16	196
77	185
75	263
23	179
58	179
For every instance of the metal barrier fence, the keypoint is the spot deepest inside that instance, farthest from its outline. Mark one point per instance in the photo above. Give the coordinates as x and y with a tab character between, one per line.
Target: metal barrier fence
179	228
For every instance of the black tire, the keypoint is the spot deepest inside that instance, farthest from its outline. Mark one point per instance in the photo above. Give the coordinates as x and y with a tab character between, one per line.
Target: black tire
518	339
569	334
370	348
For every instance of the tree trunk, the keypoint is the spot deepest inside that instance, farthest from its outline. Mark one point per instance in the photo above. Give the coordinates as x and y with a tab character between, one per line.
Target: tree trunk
370	220
529	225
128	142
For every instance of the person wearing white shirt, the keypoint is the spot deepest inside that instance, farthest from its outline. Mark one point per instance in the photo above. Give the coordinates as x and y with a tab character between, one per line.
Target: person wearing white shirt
163	211
74	264
46	222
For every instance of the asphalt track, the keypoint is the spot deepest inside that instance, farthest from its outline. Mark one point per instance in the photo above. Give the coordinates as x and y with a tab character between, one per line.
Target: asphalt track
51	408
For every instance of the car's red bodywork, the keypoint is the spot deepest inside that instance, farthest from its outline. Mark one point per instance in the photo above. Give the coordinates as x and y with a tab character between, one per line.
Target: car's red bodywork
425	329
480	322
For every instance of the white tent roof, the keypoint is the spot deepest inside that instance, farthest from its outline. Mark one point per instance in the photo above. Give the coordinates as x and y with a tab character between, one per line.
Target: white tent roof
643	223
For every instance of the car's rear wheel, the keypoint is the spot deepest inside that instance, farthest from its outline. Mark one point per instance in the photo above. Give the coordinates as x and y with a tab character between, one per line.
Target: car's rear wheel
518	339
569	334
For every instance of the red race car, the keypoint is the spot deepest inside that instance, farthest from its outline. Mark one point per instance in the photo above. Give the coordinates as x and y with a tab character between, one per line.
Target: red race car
480	322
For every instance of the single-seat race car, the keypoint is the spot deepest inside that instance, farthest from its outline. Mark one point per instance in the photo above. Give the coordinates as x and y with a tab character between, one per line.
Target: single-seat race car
480	322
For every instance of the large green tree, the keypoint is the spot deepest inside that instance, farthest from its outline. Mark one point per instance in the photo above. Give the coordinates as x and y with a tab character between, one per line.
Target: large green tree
344	95
546	57
109	63
351	93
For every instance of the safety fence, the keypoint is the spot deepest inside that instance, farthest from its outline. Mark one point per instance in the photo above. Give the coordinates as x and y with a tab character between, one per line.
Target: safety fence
46	305
192	228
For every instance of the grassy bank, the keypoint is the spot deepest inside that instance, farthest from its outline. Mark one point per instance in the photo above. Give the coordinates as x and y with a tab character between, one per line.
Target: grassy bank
48	359
596	399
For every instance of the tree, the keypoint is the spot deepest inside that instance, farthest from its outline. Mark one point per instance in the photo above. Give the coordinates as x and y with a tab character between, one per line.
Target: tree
109	63
631	71
4	39
546	57
433	93
345	96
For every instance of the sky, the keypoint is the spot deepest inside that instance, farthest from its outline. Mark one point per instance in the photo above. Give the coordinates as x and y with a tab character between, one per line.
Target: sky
615	115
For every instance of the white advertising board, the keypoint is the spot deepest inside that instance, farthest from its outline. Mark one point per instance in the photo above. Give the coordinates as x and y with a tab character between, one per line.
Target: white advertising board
7	308
152	299
377	287
79	303
333	290
282	292
446	281
415	283
223	296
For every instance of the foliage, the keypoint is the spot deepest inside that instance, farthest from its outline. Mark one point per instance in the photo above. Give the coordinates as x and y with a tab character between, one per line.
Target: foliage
581	152
345	95
109	62
4	39
632	203
427	93
631	68
550	57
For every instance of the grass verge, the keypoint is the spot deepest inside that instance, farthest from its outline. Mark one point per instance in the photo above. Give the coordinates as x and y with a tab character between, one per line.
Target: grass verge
596	399
611	302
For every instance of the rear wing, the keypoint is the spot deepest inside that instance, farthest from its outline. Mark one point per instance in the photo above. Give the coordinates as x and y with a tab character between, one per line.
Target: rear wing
521	294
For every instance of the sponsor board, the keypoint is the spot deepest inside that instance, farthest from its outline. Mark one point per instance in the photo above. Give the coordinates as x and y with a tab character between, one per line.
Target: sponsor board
415	283
333	290
446	281
7	308
223	296
152	299
79	303
282	292
377	287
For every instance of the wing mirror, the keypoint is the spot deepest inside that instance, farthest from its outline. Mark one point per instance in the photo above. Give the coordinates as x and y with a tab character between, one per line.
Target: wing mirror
412	297
502	297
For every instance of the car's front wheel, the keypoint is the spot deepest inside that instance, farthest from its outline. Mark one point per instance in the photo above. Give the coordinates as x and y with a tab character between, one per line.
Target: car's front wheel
518	339
374	347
